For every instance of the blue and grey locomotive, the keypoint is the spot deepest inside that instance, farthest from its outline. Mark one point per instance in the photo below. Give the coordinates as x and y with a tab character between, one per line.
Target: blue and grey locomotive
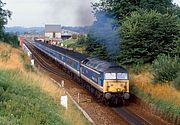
108	81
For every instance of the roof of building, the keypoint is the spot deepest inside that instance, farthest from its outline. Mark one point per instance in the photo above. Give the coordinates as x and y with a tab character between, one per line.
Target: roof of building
53	28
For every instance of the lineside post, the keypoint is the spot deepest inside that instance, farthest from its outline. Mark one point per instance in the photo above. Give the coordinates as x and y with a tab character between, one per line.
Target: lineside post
62	83
78	97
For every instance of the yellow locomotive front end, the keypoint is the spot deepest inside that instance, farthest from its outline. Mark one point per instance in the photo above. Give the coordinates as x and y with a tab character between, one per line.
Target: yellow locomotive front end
116	85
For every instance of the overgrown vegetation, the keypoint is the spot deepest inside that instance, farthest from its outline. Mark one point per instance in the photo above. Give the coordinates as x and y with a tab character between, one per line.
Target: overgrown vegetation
27	63
20	103
93	47
177	81
11	39
138	67
166	68
69	43
31	98
147	34
122	8
5	55
169	108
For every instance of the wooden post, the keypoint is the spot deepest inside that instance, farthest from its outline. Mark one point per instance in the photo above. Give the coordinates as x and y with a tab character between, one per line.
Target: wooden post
78	97
62	83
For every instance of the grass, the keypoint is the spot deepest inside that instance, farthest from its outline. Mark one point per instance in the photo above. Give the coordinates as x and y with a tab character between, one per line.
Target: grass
31	98
72	44
24	104
69	42
164	97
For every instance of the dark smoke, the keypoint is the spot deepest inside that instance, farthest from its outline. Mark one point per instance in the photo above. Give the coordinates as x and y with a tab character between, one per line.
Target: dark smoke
76	11
84	13
105	31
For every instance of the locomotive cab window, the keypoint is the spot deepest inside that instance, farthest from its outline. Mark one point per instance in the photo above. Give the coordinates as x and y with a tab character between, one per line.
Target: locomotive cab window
110	75
123	76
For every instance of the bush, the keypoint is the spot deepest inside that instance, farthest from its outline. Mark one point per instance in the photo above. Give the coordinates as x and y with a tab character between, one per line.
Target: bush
165	68
138	67
177	81
11	39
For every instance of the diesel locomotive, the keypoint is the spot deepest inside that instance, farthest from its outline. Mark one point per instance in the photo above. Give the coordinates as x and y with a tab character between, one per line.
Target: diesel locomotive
107	81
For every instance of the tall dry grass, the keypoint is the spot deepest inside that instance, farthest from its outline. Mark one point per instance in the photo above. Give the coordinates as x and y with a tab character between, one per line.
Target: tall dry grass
163	91
14	61
40	80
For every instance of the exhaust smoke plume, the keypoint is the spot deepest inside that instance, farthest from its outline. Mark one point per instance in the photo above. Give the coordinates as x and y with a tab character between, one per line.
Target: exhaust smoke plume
105	31
73	12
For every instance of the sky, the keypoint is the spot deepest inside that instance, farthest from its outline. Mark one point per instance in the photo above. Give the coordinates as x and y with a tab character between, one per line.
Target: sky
32	13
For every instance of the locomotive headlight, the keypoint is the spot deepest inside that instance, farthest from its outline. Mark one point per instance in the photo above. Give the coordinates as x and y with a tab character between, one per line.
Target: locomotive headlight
108	95
118	89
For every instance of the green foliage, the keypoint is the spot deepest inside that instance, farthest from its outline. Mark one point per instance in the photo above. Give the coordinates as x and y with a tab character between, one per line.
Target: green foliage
69	43
11	39
23	104
138	67
167	107
82	40
4	15
6	37
165	68
123	8
74	36
147	34
177	81
93	47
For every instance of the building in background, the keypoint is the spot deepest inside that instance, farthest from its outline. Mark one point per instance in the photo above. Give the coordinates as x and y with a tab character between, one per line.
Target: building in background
53	33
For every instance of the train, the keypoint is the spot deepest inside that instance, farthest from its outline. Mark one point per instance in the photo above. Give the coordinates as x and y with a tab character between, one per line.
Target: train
109	82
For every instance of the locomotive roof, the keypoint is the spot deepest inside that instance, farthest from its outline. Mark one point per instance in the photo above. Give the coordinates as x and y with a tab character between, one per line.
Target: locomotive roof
75	55
103	66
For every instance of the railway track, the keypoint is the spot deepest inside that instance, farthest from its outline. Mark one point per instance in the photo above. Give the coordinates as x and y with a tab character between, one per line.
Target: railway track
44	64
131	117
127	115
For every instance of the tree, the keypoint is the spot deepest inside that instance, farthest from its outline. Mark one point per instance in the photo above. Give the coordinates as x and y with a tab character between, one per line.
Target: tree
122	8
93	47
11	39
147	34
4	15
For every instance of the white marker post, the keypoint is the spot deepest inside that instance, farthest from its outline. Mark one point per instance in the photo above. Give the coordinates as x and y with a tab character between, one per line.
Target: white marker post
64	101
32	62
62	83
